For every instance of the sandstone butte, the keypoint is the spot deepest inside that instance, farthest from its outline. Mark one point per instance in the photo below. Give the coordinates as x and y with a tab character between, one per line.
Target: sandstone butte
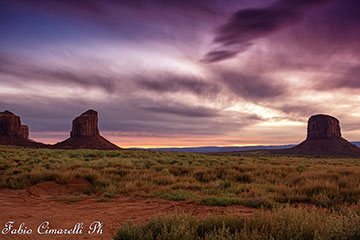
323	139
13	133
85	134
323	136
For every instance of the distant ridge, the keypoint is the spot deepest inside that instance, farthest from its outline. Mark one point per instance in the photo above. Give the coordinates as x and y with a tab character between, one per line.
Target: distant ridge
214	149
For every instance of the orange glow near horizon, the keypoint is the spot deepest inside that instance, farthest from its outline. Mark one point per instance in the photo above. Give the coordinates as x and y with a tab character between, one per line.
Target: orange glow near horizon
130	140
172	142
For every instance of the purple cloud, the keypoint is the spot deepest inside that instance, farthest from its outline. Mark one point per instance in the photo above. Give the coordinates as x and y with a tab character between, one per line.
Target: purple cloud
247	25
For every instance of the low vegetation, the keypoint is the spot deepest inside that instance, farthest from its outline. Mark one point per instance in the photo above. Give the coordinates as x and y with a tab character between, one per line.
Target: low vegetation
253	179
283	224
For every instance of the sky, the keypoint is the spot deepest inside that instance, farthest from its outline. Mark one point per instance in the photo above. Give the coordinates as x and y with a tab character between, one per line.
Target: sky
181	73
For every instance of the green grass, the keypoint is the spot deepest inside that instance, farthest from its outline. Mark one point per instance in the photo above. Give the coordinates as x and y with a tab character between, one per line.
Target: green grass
224	201
283	224
220	201
178	195
255	179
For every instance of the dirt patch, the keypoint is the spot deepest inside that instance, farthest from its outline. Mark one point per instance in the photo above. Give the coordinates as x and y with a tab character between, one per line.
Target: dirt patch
50	188
36	205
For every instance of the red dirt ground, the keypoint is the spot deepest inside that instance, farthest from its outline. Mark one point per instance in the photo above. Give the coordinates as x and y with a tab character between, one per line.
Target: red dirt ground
38	204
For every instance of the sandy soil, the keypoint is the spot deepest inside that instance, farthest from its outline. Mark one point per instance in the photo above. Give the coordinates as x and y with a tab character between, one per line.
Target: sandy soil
41	203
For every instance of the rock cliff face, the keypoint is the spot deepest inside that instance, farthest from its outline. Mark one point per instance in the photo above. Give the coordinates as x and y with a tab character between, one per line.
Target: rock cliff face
85	134
323	127
13	133
24	131
324	139
10	124
85	125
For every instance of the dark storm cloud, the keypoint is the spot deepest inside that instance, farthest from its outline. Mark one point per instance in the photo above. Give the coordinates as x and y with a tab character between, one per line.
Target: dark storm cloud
219	55
181	110
326	38
247	25
303	110
349	80
236	84
107	83
252	87
300	111
336	27
170	82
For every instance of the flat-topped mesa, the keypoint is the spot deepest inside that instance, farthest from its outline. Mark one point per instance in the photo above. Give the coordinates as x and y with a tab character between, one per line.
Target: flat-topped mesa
323	127
85	125
85	134
323	139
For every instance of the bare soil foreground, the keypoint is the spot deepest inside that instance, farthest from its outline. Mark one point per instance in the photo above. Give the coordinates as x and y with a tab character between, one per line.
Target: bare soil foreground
45	201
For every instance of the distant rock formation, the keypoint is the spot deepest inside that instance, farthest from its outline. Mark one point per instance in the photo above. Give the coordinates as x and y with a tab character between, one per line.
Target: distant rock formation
85	134
9	124
24	130
324	139
13	133
85	125
323	127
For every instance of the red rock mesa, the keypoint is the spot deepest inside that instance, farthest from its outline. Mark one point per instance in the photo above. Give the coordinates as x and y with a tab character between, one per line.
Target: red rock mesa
85	134
13	133
324	138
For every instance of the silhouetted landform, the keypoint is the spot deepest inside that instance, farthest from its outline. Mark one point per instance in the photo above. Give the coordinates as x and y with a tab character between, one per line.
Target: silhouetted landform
214	149
13	133
324	139
85	134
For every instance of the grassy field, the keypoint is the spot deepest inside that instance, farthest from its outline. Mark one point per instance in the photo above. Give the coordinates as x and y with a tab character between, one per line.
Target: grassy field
254	179
282	224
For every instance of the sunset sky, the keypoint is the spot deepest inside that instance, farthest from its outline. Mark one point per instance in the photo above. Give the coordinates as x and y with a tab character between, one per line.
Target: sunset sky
181	72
